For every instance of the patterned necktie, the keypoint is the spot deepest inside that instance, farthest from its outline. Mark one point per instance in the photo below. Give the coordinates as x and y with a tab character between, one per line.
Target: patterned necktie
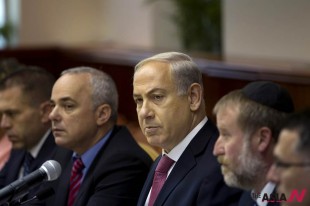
75	180
160	177
27	163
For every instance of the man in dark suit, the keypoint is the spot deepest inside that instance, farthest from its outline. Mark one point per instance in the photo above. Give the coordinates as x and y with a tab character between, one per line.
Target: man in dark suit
290	170
108	167
25	107
168	91
249	121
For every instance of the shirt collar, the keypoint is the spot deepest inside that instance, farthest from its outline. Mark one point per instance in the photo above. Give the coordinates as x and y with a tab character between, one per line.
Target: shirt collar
268	189
88	156
177	151
36	149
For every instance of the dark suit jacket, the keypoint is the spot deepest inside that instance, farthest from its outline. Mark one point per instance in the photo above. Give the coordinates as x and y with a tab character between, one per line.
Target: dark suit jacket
48	151
196	178
246	200
115	177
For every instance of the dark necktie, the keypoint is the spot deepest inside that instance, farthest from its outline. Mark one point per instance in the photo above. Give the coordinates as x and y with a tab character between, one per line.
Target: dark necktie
27	163
160	177
75	180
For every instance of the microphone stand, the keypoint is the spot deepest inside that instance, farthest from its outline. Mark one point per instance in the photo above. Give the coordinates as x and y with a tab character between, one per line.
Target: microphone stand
28	201
41	195
15	202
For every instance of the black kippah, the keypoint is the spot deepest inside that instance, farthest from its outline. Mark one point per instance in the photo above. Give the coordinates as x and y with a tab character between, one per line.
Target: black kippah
269	94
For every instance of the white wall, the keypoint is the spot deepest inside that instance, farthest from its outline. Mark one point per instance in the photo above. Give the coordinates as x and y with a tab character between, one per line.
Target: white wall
127	22
165	34
79	21
60	22
276	29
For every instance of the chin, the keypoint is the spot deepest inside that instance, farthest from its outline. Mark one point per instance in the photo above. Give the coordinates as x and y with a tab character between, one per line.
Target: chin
152	142
151	139
17	146
59	141
231	180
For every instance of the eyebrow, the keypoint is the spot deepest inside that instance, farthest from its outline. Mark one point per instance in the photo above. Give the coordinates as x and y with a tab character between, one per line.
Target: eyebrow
63	99
152	91
136	95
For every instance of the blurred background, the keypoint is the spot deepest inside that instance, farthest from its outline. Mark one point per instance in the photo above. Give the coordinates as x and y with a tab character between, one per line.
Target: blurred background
232	41
277	29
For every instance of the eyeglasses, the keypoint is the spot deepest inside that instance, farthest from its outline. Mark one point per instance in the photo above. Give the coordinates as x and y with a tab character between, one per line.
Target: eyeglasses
280	164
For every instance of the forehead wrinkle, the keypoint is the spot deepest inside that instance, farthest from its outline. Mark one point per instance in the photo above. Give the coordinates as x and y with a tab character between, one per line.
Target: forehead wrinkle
153	86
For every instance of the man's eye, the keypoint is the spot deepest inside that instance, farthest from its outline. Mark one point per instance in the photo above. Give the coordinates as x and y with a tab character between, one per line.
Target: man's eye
10	114
138	100
224	135
158	97
52	105
68	106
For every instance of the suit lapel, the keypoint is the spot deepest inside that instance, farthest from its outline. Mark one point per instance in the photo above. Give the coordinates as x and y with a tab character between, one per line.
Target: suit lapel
186	162
64	182
45	153
246	199
88	178
148	183
11	172
180	170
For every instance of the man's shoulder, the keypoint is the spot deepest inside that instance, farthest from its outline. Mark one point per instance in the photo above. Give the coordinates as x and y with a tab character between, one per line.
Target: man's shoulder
16	156
122	137
204	140
11	168
121	144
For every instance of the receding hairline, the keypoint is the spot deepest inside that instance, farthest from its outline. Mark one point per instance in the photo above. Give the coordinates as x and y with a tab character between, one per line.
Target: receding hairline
166	57
152	61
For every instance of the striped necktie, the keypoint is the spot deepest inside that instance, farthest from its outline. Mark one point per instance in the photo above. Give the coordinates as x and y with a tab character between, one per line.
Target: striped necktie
75	180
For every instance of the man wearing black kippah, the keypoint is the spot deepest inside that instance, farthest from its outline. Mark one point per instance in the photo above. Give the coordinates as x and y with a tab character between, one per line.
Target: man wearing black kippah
249	121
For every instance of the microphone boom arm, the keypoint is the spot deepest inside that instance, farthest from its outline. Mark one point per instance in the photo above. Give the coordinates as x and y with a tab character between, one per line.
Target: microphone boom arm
49	171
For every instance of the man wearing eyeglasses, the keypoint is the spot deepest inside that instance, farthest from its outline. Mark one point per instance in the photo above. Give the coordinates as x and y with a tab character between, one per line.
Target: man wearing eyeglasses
291	170
249	121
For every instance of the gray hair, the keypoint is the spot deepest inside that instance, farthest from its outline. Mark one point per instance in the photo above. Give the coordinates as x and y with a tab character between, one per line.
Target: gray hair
103	88
252	115
185	71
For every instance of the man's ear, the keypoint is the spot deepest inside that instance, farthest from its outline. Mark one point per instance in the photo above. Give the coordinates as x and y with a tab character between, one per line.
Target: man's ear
103	113
195	96
45	110
264	139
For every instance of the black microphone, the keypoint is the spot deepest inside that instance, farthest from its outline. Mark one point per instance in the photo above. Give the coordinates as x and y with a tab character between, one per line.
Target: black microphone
41	195
49	171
